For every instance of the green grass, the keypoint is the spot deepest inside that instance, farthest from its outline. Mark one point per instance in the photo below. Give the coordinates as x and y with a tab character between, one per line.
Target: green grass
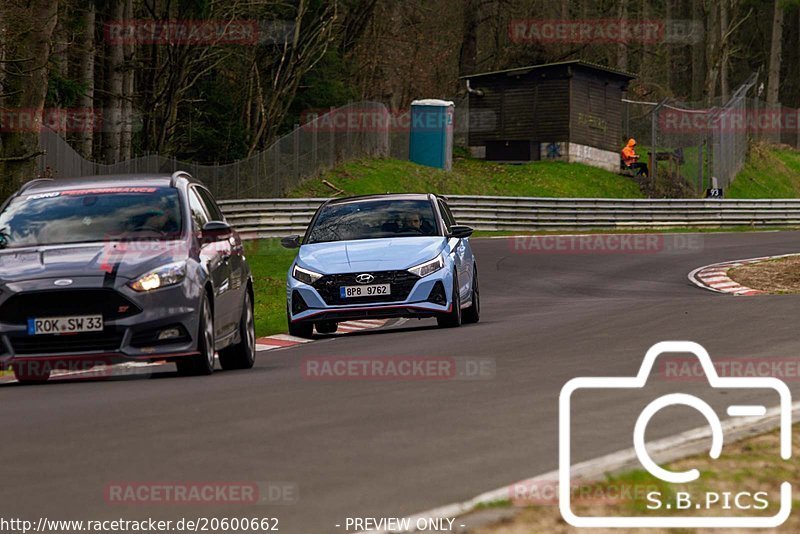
768	173
472	177
269	263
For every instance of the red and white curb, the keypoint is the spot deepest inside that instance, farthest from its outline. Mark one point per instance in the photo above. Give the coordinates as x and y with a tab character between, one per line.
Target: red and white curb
715	277
280	341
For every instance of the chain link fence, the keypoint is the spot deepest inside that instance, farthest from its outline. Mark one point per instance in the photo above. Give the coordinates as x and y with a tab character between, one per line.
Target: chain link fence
324	140
690	147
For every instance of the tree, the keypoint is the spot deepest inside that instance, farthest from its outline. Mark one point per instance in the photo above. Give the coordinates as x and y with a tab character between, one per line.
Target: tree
468	57
774	71
112	120
276	72
26	29
85	75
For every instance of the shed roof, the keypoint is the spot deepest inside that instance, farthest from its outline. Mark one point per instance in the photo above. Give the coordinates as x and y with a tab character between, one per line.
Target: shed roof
573	62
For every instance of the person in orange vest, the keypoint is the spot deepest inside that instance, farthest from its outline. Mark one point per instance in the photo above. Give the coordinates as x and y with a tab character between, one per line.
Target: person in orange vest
631	159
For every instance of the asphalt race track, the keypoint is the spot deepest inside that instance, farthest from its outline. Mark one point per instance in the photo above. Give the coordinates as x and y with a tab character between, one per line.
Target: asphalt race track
356	448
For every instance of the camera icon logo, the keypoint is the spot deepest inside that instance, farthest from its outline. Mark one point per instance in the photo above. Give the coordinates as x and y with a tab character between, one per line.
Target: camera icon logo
681	477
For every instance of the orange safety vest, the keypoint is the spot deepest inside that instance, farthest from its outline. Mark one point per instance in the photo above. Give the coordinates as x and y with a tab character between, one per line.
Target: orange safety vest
628	153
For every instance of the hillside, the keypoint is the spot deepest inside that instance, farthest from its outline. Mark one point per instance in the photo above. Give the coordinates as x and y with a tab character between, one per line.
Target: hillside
768	173
472	177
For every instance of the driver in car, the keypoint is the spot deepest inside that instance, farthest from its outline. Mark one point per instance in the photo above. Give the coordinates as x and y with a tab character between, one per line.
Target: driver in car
413	222
158	220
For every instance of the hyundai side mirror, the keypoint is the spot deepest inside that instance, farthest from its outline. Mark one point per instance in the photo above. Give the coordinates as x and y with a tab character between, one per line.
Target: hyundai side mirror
459	232
292	241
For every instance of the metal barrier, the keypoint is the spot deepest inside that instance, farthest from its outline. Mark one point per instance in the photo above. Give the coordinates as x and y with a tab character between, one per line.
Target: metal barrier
278	217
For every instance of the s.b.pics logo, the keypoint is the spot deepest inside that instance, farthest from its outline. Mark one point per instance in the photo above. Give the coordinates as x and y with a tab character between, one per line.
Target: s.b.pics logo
686	497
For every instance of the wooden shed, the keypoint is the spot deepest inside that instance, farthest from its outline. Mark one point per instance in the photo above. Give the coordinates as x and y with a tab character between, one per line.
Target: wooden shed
570	111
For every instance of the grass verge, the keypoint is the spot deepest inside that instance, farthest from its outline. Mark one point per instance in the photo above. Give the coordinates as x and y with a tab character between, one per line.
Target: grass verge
471	177
779	276
269	263
752	465
768	173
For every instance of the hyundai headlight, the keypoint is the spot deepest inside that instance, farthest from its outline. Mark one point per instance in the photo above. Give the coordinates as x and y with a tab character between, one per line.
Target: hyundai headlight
429	267
164	276
304	275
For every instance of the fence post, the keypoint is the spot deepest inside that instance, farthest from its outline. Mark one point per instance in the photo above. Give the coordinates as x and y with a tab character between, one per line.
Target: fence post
238	191
348	148
259	169
333	140
700	169
296	142
216	181
654	145
314	144
277	164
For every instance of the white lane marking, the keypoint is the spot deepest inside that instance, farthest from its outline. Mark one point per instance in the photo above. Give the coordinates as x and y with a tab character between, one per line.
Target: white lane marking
746	411
713	279
287	337
359	324
728	285
714	272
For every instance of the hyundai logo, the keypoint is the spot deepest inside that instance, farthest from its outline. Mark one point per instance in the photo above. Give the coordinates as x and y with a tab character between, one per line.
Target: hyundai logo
365	278
63	282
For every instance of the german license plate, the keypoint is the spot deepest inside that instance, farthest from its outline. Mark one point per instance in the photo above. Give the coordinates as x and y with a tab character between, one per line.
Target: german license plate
65	325
372	290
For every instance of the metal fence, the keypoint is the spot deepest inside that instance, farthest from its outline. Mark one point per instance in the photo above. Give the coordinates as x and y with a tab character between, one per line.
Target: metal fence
357	130
689	144
278	217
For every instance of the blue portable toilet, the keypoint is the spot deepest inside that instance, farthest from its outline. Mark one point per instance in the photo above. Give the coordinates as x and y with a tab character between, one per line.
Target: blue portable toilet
431	136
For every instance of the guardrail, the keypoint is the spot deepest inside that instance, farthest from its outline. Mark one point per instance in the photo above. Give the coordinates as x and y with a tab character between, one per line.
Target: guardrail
278	217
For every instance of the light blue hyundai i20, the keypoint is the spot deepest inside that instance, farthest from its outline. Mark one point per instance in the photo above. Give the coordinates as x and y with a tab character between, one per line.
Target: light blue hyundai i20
381	256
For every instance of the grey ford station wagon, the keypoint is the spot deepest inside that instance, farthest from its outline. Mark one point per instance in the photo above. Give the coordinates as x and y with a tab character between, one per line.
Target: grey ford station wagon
104	270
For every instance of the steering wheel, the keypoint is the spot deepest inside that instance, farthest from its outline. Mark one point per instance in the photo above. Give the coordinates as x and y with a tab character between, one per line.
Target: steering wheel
153	229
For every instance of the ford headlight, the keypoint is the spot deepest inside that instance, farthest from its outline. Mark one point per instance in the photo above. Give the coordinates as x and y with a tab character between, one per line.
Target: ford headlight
429	267
304	275
166	275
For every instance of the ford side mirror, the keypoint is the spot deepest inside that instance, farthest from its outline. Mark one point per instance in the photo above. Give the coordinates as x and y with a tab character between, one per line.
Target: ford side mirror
216	231
292	241
459	232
